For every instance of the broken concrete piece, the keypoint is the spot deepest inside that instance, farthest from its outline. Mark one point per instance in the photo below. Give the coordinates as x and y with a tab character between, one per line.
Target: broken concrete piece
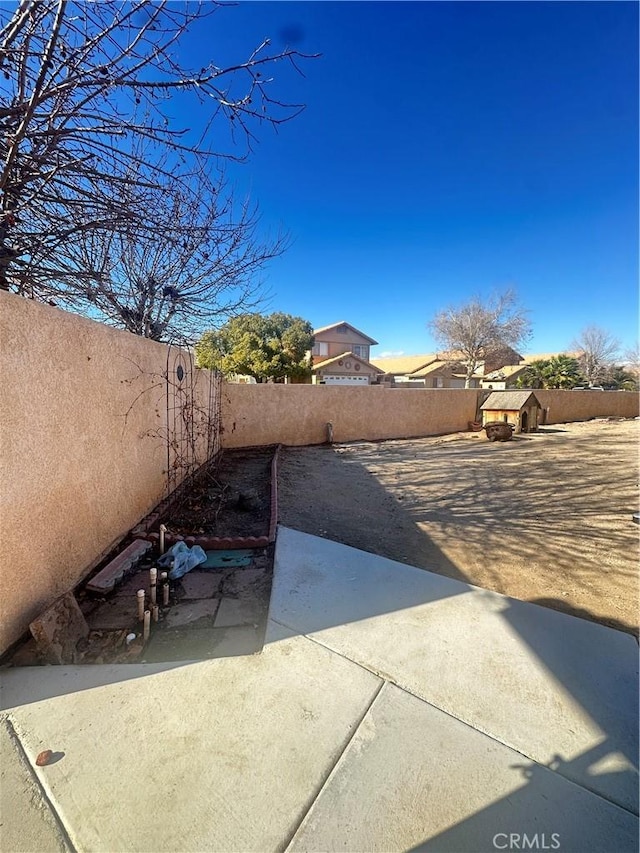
59	629
106	579
201	584
183	615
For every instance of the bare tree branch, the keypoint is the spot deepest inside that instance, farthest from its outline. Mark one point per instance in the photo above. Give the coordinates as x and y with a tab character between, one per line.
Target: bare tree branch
598	350
470	331
187	260
85	95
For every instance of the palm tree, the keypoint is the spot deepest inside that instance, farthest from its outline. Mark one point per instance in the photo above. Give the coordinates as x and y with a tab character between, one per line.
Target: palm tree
562	372
535	374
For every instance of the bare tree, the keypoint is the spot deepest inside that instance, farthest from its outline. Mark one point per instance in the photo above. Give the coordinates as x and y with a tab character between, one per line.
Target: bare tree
195	269
472	330
83	85
632	361
597	351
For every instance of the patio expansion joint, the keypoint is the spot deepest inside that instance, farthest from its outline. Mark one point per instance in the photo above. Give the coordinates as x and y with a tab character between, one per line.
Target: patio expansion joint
331	771
14	737
386	678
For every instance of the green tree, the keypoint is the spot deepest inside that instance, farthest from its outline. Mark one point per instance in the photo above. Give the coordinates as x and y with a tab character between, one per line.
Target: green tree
535	375
560	371
620	379
265	347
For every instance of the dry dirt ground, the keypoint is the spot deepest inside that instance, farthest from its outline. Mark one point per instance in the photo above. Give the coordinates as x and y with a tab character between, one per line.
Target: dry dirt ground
545	517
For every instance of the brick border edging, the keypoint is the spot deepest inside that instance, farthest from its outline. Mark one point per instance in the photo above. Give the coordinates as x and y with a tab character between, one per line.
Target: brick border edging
211	543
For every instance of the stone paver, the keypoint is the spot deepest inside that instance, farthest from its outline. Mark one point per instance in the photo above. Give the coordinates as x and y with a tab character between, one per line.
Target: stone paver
201	584
223	755
191	613
414	778
558	689
26	822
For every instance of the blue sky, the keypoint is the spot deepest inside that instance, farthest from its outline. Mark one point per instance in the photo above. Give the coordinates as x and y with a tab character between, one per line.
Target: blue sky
448	150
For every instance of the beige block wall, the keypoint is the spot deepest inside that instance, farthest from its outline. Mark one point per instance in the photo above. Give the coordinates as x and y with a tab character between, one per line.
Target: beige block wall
298	414
82	454
567	406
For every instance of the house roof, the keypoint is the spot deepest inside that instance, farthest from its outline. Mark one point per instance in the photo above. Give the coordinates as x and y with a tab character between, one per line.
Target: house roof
506	372
336	358
344	323
508	401
405	364
545	356
431	368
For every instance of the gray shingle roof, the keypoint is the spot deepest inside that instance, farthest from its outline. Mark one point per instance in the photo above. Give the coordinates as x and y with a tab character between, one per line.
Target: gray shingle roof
508	401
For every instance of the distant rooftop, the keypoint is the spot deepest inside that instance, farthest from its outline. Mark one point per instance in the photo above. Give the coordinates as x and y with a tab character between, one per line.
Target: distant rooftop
344	323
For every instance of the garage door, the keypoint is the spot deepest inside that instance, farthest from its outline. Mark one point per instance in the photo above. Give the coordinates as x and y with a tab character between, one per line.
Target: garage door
346	380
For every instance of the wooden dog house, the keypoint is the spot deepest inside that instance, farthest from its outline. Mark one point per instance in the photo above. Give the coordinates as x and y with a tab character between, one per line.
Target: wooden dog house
519	408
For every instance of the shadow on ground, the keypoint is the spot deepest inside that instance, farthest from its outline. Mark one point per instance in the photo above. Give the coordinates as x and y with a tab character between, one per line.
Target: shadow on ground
544	516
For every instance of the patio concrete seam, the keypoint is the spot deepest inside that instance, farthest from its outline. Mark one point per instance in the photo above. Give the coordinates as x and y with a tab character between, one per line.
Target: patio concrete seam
330	772
533	761
391	680
62	829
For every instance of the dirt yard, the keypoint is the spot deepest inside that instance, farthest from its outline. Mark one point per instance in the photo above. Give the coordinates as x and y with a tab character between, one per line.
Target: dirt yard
545	517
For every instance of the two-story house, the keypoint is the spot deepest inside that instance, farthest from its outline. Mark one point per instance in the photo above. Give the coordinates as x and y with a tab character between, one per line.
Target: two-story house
340	356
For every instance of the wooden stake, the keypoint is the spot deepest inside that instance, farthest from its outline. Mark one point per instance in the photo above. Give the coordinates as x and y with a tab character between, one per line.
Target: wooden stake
165	594
146	630
155	610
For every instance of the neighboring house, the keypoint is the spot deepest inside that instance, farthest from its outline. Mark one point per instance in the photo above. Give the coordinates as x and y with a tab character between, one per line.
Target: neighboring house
545	356
241	379
338	339
340	356
428	370
504	378
401	368
440	374
345	369
507	376
520	408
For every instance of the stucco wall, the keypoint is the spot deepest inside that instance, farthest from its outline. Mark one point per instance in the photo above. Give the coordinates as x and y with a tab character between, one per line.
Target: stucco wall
298	414
82	454
567	406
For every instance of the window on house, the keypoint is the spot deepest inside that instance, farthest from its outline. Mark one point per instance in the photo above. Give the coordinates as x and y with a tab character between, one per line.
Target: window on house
321	348
439	383
342	330
361	351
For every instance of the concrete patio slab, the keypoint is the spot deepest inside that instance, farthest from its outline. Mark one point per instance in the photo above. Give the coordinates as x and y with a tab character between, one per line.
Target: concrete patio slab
560	690
218	755
414	778
26	822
